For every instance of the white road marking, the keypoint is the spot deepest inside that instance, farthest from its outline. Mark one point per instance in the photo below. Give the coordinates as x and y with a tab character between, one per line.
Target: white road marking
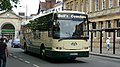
10	54
27	62
20	59
35	65
102	61
15	56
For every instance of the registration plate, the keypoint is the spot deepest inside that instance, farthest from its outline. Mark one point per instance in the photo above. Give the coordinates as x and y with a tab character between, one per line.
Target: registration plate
73	53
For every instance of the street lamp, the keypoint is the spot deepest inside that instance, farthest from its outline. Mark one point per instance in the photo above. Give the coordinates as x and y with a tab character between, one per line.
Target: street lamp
26	11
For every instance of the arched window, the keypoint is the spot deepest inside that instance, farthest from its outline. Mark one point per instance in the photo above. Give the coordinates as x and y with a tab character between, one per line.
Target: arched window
8	30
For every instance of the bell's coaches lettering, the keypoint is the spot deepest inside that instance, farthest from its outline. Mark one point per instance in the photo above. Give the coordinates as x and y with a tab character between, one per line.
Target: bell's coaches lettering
71	16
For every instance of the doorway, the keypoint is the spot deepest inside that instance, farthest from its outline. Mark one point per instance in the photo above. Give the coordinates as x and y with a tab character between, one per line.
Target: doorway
8	31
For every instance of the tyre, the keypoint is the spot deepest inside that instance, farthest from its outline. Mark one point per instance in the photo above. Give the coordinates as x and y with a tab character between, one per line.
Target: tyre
25	48
42	52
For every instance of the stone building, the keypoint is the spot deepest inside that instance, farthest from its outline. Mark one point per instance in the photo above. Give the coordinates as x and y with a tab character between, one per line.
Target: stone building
102	14
44	6
10	24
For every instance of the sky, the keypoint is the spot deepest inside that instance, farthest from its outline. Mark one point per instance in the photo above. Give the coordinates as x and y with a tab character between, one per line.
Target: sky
29	6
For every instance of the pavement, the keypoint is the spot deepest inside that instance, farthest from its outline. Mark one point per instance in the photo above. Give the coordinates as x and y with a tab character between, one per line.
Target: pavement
106	53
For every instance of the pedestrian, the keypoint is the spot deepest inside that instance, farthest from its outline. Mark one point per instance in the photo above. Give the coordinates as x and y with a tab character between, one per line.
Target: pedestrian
3	53
108	44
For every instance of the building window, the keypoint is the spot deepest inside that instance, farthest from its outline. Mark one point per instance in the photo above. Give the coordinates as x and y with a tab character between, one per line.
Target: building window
110	3
101	24
59	9
90	5
76	5
67	6
109	26
71	5
96	5
82	6
118	25
56	10
103	4
102	27
21	13
94	27
118	2
86	6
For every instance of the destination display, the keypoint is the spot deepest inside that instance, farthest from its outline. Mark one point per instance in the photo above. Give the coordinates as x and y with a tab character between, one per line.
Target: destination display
70	16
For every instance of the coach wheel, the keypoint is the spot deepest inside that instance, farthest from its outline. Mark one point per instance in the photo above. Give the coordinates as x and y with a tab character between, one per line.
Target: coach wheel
25	48
42	52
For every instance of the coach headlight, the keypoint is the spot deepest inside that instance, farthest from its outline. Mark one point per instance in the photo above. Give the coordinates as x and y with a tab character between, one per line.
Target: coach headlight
59	48
86	47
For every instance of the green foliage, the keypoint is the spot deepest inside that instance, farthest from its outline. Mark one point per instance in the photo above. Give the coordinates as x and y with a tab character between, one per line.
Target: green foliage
6	4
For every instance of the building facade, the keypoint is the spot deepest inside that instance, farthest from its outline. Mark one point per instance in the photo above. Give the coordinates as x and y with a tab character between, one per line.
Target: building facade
46	6
58	6
10	24
102	14
50	4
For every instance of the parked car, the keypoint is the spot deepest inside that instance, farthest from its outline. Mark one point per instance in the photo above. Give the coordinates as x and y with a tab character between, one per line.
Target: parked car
15	43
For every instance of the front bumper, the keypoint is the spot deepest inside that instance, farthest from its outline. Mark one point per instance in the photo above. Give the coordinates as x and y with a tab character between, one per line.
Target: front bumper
59	54
16	45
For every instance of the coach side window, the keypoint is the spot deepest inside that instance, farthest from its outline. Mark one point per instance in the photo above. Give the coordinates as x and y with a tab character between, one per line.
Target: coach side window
36	34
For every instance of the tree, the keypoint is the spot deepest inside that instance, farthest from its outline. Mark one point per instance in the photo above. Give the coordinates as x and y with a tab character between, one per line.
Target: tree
8	4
